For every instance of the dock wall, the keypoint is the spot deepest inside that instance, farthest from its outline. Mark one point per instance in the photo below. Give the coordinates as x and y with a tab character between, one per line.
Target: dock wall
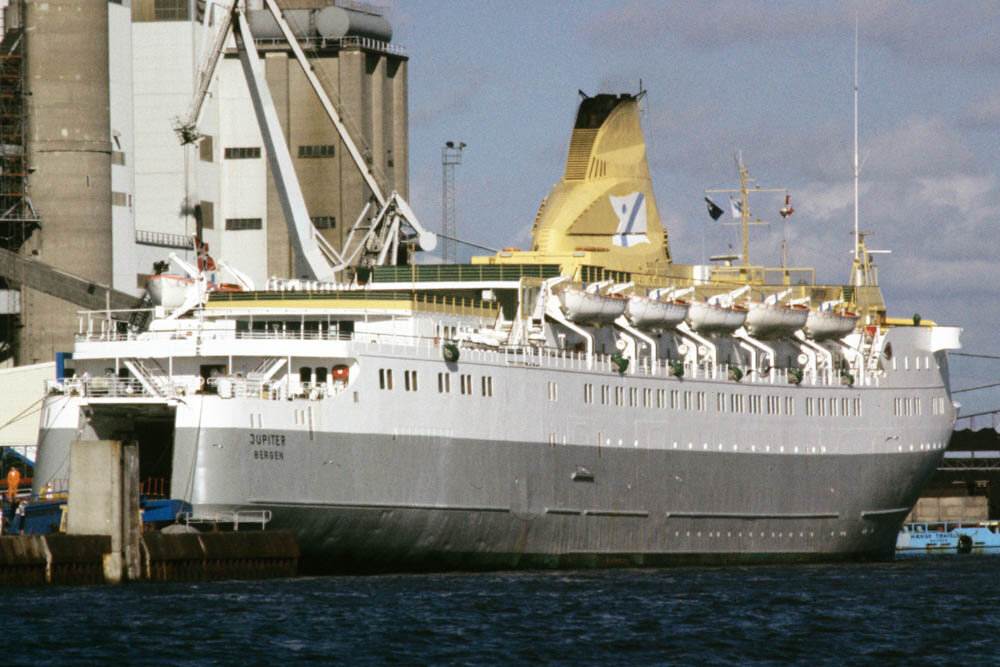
32	560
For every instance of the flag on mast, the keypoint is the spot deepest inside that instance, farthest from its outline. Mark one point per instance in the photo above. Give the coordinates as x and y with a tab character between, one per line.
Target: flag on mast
737	208
787	209
713	209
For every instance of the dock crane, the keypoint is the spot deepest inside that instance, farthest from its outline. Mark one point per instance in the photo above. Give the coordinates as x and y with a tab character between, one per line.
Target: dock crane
394	222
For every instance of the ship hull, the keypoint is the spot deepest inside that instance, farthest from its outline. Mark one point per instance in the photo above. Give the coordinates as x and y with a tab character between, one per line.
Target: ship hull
538	461
411	501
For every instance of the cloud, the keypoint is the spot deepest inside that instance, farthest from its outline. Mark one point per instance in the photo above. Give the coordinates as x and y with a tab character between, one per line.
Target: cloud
918	146
453	96
931	33
983	113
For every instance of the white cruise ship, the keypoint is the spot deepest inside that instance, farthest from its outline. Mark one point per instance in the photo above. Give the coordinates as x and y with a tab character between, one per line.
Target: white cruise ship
586	402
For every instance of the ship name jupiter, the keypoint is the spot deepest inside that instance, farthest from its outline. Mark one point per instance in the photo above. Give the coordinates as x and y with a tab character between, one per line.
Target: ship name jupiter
271	439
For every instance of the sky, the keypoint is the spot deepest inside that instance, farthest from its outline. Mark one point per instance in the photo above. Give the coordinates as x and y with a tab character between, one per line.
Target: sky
771	79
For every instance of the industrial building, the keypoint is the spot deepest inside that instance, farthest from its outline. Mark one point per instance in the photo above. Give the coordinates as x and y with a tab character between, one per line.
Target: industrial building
95	181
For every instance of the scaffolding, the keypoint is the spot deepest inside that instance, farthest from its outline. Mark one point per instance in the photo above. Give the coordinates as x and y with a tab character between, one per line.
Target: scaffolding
18	218
451	156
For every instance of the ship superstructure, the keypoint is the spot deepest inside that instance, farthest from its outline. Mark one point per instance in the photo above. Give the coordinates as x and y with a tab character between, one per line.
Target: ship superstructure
583	402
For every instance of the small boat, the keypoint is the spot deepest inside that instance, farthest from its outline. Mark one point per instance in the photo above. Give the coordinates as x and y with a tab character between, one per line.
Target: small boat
948	537
826	324
768	320
171	291
705	317
589	308
168	291
646	313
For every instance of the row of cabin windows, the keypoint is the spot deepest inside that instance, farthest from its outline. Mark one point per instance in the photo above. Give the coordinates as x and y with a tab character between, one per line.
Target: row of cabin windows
317	375
753	404
910	407
312	328
646	397
918	363
444	382
833	407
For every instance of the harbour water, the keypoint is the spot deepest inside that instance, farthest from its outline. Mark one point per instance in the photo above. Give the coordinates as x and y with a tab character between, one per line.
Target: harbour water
930	610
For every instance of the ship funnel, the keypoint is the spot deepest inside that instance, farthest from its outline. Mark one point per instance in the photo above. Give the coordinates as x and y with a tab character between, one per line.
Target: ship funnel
605	200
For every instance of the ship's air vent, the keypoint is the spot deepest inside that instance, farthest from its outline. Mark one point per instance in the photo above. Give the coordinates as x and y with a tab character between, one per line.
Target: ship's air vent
579	154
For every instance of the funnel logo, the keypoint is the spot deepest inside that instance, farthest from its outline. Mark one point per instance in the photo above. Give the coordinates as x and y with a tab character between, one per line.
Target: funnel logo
631	212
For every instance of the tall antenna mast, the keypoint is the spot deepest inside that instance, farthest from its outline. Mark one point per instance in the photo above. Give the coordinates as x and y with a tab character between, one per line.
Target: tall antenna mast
857	239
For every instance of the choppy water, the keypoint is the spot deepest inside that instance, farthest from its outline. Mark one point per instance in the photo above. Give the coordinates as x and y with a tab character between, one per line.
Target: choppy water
939	611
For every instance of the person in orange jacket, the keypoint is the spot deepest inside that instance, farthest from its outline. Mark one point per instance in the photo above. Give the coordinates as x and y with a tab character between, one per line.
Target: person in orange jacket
13	481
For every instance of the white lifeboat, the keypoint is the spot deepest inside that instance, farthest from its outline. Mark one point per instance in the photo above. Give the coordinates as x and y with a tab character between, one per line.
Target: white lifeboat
771	320
168	291
712	318
646	313
824	324
589	308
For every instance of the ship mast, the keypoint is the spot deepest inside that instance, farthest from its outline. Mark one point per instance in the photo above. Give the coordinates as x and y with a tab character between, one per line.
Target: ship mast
745	180
857	238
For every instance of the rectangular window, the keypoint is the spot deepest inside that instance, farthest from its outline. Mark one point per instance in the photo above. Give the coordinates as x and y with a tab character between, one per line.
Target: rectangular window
789	406
857	407
326	150
119	199
206	211
843	407
242	152
661	398
444	383
821	407
553	391
687	400
385	378
466	385
701	401
487	385
633	396
325	222
118	157
647	398
410	380
675	399
605	394
720	402
205	151
170	10
619	396
240	224
588	393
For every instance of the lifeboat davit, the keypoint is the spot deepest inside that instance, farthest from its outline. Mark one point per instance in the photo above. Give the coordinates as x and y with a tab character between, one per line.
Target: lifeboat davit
589	308
825	324
767	320
711	318
646	313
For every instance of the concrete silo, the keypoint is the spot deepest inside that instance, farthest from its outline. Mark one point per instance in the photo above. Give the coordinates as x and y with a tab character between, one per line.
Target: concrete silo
69	161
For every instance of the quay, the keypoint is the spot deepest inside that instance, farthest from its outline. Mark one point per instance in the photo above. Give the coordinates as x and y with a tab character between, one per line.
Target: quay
96	535
32	560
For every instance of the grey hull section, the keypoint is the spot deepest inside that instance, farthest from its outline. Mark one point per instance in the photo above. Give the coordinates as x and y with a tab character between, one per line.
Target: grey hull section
383	502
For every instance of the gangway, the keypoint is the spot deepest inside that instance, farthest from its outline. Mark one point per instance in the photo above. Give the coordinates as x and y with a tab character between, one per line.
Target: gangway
54	282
